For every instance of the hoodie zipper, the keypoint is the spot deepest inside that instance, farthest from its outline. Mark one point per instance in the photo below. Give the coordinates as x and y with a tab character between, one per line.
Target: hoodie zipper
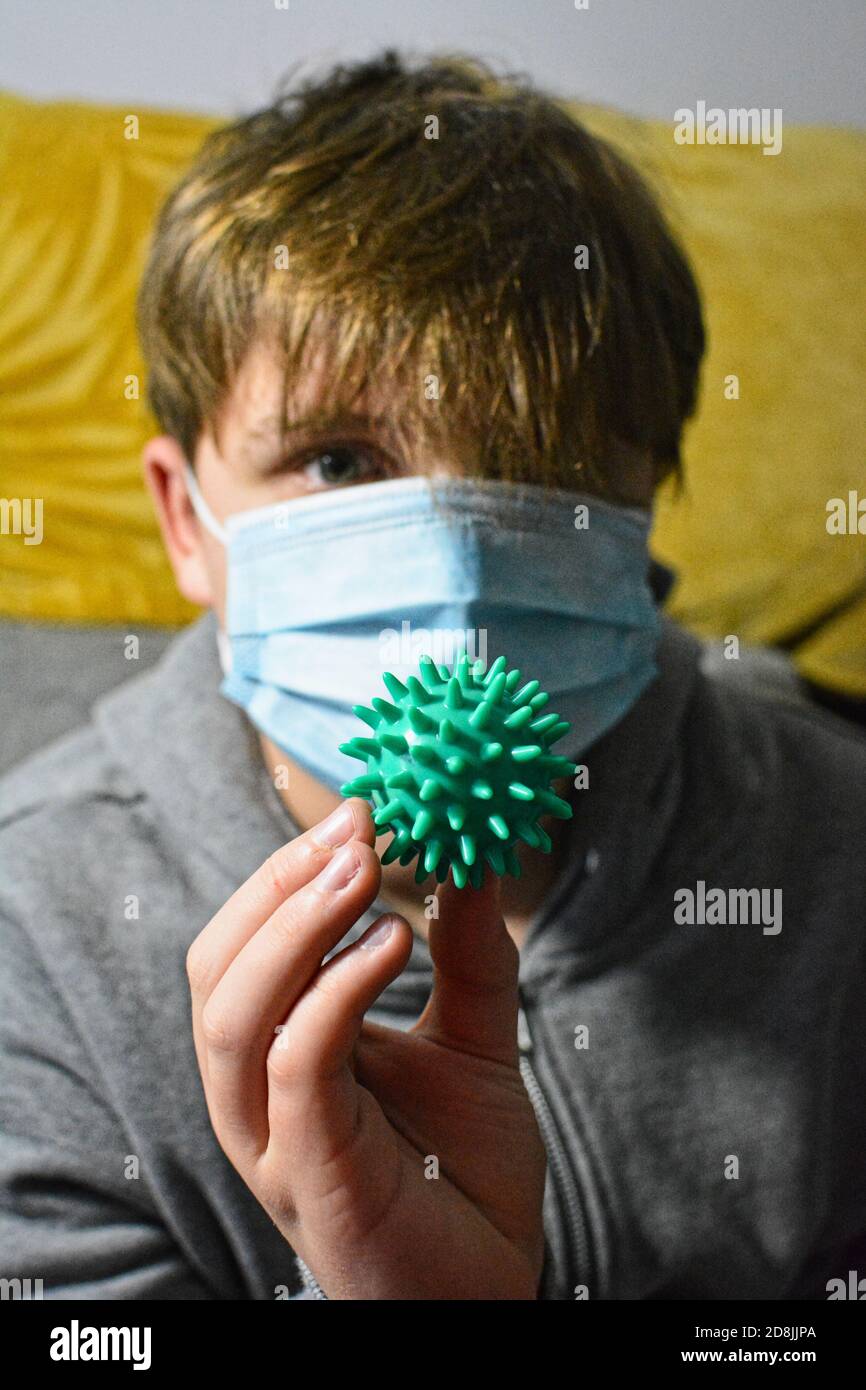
557	1156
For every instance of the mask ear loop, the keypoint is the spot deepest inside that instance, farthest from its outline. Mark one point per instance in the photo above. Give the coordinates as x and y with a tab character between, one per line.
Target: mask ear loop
210	523
201	508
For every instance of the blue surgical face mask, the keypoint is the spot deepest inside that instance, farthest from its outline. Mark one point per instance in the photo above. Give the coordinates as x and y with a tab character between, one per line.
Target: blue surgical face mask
328	591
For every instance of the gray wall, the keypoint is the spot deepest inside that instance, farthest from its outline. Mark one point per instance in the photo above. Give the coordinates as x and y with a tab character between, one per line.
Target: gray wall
646	56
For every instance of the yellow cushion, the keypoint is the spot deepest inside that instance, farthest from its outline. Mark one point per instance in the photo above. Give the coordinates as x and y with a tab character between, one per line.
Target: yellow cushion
79	200
777	244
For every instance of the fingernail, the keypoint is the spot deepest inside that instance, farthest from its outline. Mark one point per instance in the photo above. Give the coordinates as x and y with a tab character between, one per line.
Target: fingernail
379	935
340	870
336	829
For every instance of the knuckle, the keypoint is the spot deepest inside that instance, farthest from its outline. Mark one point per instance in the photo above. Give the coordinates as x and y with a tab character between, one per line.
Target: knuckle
277	871
198	968
273	1184
217	1031
282	1066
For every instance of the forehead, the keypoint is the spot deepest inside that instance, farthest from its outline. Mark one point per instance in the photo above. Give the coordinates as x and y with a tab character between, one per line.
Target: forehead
252	417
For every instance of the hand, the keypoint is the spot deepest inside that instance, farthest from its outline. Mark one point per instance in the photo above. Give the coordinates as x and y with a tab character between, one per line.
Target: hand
336	1125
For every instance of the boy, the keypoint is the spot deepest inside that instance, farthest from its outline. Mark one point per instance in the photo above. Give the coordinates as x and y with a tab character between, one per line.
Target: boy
576	1083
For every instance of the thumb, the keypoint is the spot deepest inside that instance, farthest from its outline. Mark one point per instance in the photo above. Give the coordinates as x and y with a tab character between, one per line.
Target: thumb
474	1003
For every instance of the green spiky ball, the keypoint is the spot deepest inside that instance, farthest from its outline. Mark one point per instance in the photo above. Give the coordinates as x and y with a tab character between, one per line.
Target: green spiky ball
459	767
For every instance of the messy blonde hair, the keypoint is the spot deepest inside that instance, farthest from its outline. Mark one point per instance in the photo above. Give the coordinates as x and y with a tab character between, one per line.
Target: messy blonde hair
417	254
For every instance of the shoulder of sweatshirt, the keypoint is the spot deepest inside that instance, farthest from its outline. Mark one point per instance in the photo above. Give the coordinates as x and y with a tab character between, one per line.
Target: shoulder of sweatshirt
74	770
88	875
761	711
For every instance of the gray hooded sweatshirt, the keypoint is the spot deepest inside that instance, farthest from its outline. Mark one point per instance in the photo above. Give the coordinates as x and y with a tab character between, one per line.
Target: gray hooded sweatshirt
699	1083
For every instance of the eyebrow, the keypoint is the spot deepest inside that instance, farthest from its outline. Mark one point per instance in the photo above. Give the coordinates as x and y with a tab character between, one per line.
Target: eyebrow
270	428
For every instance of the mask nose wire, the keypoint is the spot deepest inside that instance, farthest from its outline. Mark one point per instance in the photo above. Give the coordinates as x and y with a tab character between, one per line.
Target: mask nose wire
201	508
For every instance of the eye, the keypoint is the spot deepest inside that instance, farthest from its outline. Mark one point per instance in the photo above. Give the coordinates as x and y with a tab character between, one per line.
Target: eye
342	465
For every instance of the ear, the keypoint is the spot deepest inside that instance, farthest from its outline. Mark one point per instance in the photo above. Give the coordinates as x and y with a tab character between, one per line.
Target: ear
196	558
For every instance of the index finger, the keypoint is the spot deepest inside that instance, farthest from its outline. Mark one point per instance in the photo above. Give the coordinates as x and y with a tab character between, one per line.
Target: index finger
291	867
